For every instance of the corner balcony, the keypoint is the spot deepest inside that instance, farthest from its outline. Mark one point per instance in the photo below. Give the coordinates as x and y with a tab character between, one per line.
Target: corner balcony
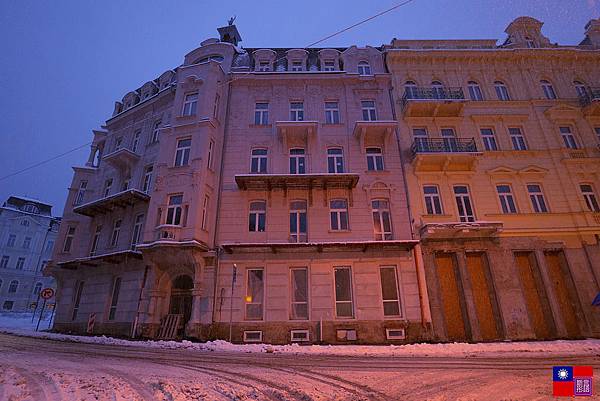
110	203
590	102
122	159
445	154
454	230
433	102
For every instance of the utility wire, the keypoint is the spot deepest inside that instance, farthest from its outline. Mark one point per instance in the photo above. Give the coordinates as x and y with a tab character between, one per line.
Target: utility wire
44	161
229	81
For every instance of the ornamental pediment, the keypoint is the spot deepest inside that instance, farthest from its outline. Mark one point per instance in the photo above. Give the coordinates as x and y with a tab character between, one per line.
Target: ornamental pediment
533	170
562	112
502	170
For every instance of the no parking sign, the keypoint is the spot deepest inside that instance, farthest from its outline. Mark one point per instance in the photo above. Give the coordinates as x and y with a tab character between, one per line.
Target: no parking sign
47	293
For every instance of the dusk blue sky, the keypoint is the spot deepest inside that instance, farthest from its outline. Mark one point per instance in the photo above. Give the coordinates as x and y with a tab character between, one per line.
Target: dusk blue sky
64	63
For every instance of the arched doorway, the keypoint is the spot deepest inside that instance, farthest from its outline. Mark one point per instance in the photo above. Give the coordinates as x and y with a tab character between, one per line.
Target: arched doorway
181	298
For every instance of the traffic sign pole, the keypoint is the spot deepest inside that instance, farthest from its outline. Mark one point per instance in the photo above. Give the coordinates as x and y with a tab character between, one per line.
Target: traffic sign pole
41	314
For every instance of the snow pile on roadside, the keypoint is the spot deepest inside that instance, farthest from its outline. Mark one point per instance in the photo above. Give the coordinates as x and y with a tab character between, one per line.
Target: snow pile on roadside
560	347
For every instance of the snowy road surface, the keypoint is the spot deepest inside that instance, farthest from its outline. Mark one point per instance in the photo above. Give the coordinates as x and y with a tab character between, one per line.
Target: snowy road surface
42	369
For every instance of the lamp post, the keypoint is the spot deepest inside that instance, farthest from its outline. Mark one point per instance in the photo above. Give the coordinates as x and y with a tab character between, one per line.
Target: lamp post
233	279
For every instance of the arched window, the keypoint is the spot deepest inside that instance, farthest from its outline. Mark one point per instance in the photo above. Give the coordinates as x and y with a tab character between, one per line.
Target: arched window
12	288
382	219
298	221
410	90
548	89
364	68
437	89
257	216
37	288
580	89
501	90
475	91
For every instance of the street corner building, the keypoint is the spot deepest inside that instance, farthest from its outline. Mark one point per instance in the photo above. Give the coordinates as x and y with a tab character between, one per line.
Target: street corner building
417	191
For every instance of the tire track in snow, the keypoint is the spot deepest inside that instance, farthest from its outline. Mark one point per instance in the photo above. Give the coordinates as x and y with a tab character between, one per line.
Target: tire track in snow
136	384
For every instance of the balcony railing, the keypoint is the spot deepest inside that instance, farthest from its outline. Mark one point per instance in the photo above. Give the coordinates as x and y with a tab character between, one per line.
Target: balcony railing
591	95
444	145
435	94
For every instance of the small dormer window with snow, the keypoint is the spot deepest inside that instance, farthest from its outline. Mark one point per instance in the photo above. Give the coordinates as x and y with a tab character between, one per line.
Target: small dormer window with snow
329	65
297	66
264	66
30	208
364	68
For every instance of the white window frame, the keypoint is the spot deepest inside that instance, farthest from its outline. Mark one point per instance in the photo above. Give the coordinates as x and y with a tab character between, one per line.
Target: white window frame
410	90
338	215
182	152
69	237
368	108
261	113
332	112
568	137
580	89
263	66
156	131
37	288
375	160
475	92
147	182
488	137
298	213
138	226
136	140
116	232
296	111
80	192
397	300
350	290
260	160
364	68
433	200
464	202
297	161
257	211
589	195
517	138
107	186
296	66
548	89
293	301
174	215
537	198
508	204
249	300
502	92
335	160
382	212
96	239
27	242
328	65
20	263
190	104
209	157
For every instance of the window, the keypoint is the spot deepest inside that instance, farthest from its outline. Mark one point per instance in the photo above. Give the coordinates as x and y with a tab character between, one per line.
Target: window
96	240
80	193
433	202
264	66
364	68
389	291
335	160
501	90
530	43
118	143
138	225
4	261
258	163
420	139
538	203
328	65
343	292
410	90
568	137
298	221
49	246
299	296
297	111
125	185
8	305
517	139
136	141
37	288
69	239
27	243
369	113
463	203
261	113
489	139
182	154
548	89
254	294
13	287
297	66
338	212
205	205
580	89
175	210
257	216
114	238
475	91
43	265
216	106
597	130
20	264
382	220
12	238
114	299
155	131
437	89
147	184
374	159
107	187
507	201
190	104
590	197
209	157
77	299
25	223
297	161
332	113
449	138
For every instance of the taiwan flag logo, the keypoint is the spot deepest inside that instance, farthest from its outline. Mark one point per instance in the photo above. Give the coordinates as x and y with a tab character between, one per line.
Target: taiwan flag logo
569	381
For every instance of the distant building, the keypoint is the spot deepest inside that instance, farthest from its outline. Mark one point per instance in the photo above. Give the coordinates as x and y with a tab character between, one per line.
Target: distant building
27	236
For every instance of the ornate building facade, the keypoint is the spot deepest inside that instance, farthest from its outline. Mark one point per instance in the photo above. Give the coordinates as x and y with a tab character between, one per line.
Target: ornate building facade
343	195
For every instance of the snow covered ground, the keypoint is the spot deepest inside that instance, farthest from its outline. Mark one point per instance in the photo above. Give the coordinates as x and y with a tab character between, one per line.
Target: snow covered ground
24	321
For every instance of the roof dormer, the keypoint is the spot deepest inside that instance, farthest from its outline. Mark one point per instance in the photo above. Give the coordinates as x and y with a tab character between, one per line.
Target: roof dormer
329	60
592	33
296	59
526	32
263	60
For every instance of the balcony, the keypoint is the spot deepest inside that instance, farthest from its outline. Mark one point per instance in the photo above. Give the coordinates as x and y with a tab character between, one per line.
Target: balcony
301	247
110	203
295	131
591	101
444	154
112	258
454	230
379	131
268	182
122	159
168	232
433	102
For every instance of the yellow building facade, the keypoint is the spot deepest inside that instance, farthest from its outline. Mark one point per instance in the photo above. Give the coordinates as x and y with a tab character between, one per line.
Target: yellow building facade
501	154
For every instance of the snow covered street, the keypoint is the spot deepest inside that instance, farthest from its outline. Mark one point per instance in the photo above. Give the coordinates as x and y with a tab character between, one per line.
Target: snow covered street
45	369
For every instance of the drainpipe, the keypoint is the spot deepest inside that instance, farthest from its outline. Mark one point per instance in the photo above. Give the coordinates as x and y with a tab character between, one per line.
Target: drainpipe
417	253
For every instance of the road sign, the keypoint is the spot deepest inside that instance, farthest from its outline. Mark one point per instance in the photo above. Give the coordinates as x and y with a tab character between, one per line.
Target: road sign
91	322
47	293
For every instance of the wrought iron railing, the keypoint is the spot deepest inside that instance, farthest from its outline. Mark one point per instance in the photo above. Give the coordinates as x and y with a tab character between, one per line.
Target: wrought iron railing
444	145
437	93
591	95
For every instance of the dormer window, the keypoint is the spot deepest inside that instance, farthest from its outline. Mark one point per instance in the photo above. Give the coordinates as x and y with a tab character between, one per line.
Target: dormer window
328	65
30	208
297	66
364	68
530	43
264	66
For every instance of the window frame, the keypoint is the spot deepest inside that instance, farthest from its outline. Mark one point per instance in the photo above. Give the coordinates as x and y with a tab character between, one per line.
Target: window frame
475	92
297	111
350	291
95	240
137	230
182	152
382	235
332	113
335	161
13	287
398	299
502	92
147	180
205	206
537	198
261	115
259	158
190	104
341	215
432	207
298	214
156	131
507	200
80	192
459	200
115	233
108	183
258	215
20	265
77	299
364	68
548	89
490	143
249	295
297	160
568	137
518	141
369	112
69	238
4	261
176	216
589	196
293	301
135	143
375	158
114	298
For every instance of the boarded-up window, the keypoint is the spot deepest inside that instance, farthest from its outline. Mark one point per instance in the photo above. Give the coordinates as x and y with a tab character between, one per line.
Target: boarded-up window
299	307
389	291
254	294
343	292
